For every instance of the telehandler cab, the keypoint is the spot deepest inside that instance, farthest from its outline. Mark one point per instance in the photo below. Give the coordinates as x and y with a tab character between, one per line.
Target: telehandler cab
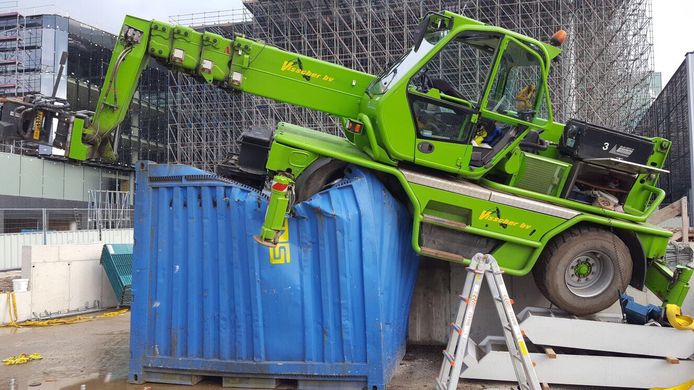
475	153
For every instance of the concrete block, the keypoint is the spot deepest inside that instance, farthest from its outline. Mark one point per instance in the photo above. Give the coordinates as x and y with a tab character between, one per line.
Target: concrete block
84	285
49	286
108	296
35	254
79	252
66	278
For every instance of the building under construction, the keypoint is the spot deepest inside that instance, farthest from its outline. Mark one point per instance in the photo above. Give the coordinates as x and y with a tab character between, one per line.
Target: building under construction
603	76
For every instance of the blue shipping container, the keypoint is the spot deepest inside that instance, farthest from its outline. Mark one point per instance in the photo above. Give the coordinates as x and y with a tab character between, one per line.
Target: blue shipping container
330	302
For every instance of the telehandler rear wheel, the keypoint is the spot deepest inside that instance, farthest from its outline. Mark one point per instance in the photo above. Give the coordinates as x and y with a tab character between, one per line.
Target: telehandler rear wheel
583	270
319	175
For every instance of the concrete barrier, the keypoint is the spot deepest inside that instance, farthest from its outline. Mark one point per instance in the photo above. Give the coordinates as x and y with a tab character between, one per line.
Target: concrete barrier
63	280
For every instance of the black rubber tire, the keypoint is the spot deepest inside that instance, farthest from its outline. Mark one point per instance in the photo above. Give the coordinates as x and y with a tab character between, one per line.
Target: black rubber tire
551	267
319	174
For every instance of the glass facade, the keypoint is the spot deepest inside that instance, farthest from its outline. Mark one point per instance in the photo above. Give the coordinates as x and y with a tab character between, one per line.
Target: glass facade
30	51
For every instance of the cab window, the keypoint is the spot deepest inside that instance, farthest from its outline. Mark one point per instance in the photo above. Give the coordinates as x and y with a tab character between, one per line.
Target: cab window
517	82
445	91
460	69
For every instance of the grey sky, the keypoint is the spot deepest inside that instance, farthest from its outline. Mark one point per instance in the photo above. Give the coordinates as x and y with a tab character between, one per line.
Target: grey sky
673	28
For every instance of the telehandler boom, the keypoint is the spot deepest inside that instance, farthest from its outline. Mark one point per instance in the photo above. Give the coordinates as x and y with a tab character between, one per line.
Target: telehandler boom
480	161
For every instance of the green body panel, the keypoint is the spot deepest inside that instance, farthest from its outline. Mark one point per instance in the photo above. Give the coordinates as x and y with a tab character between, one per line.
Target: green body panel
521	230
670	286
244	64
390	122
522	244
216	56
117	92
276	209
160	41
291	160
297	79
77	150
189	42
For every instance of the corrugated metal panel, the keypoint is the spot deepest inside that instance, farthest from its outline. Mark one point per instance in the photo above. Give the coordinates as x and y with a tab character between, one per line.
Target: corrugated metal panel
11	248
11	243
331	303
117	236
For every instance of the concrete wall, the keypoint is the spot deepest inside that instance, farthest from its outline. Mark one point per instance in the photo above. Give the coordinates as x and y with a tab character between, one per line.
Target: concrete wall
63	280
11	244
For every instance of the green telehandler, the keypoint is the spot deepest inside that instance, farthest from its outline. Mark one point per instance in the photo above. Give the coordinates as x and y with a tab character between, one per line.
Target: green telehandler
480	161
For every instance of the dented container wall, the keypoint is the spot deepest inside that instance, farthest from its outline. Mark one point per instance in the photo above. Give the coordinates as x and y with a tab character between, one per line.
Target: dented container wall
330	301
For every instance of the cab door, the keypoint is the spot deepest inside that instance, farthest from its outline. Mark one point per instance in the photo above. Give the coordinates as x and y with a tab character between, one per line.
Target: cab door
512	103
444	98
442	131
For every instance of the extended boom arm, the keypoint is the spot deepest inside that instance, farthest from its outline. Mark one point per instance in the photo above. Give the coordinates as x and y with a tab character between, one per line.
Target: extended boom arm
239	64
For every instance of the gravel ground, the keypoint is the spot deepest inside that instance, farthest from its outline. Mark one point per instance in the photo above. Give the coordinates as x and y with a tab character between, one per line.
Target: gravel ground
96	354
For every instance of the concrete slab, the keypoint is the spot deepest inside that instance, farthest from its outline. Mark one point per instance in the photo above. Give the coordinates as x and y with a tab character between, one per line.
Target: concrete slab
84	285
48	285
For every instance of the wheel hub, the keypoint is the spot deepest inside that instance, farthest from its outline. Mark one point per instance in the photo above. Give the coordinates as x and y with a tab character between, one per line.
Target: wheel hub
589	274
583	269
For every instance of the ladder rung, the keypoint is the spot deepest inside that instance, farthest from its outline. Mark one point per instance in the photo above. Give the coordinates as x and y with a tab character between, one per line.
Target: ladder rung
525	371
475	270
449	357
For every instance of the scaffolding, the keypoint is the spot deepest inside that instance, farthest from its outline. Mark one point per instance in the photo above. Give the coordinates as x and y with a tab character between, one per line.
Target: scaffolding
109	210
603	76
20	57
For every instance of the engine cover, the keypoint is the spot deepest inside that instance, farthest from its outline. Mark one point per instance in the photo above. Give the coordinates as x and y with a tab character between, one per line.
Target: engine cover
583	141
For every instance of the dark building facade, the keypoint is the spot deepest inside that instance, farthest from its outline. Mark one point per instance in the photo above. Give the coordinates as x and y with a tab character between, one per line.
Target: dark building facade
671	117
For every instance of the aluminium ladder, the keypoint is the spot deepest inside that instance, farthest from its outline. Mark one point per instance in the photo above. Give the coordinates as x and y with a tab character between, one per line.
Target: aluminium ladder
481	266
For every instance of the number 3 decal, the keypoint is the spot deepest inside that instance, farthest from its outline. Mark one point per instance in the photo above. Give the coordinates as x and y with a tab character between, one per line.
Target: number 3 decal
605	146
